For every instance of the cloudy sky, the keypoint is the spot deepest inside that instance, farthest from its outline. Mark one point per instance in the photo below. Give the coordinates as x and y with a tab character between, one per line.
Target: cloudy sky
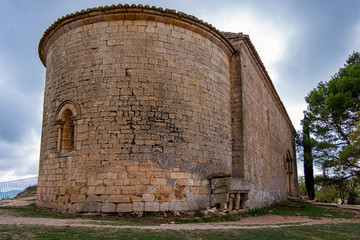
300	42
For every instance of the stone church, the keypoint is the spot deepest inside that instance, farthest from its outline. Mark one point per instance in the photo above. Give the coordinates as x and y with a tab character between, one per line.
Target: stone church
148	109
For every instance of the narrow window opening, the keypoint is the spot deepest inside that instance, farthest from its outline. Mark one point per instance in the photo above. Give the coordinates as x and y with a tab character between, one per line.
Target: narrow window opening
66	132
289	169
66	123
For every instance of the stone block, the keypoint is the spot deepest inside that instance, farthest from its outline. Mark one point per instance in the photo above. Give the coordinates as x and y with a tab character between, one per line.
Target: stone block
158	181
182	182
100	190
223	189
152	206
220	183
134	168
239	185
164	206
166	189
145	181
136	198
177	175
175	206
204	204
128	189
90	206
138	206
171	182
108	207
229	184
124	207
135	181
188	206
110	175
148	197
119	198
221	198
76	207
113	190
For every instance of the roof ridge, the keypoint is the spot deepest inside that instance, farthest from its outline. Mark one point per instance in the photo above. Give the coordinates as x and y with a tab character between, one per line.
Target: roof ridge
90	11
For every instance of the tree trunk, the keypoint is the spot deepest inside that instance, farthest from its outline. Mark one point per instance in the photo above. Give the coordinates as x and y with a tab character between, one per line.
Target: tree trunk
308	160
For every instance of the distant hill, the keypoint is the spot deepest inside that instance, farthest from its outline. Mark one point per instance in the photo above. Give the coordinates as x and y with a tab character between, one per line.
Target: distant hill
9	194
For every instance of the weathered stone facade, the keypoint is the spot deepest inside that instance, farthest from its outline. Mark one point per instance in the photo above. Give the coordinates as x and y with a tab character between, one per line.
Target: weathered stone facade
153	110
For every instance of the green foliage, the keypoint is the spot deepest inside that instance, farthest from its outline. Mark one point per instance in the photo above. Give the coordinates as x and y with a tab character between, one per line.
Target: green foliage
198	214
302	187
327	189
335	187
333	109
327	194
348	162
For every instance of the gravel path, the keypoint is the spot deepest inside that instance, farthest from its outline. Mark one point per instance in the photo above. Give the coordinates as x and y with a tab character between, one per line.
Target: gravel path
266	221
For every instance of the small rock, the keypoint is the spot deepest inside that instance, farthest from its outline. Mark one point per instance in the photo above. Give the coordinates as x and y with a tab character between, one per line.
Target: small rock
212	213
204	213
220	214
190	213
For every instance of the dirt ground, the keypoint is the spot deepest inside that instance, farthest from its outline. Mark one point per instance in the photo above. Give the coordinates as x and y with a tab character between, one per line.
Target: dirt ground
265	221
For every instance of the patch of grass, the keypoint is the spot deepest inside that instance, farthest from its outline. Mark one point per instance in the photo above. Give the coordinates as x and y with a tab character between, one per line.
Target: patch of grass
283	209
203	219
302	209
36	212
259	211
329	231
198	214
106	219
148	214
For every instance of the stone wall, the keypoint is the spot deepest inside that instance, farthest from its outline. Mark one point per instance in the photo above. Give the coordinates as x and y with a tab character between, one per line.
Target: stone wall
150	105
152	110
268	135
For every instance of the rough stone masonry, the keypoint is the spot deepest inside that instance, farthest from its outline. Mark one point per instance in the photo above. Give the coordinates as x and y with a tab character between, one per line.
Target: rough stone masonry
148	109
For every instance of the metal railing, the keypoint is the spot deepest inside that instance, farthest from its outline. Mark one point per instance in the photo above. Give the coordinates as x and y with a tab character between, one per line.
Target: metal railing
10	189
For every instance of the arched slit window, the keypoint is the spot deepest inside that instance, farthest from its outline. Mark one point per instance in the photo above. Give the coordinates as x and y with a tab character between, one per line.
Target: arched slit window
289	162
66	127
67	138
289	169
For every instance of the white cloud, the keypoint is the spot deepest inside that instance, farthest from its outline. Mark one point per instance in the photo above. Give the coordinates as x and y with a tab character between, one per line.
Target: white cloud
353	41
5	76
8	83
22	158
269	38
295	111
